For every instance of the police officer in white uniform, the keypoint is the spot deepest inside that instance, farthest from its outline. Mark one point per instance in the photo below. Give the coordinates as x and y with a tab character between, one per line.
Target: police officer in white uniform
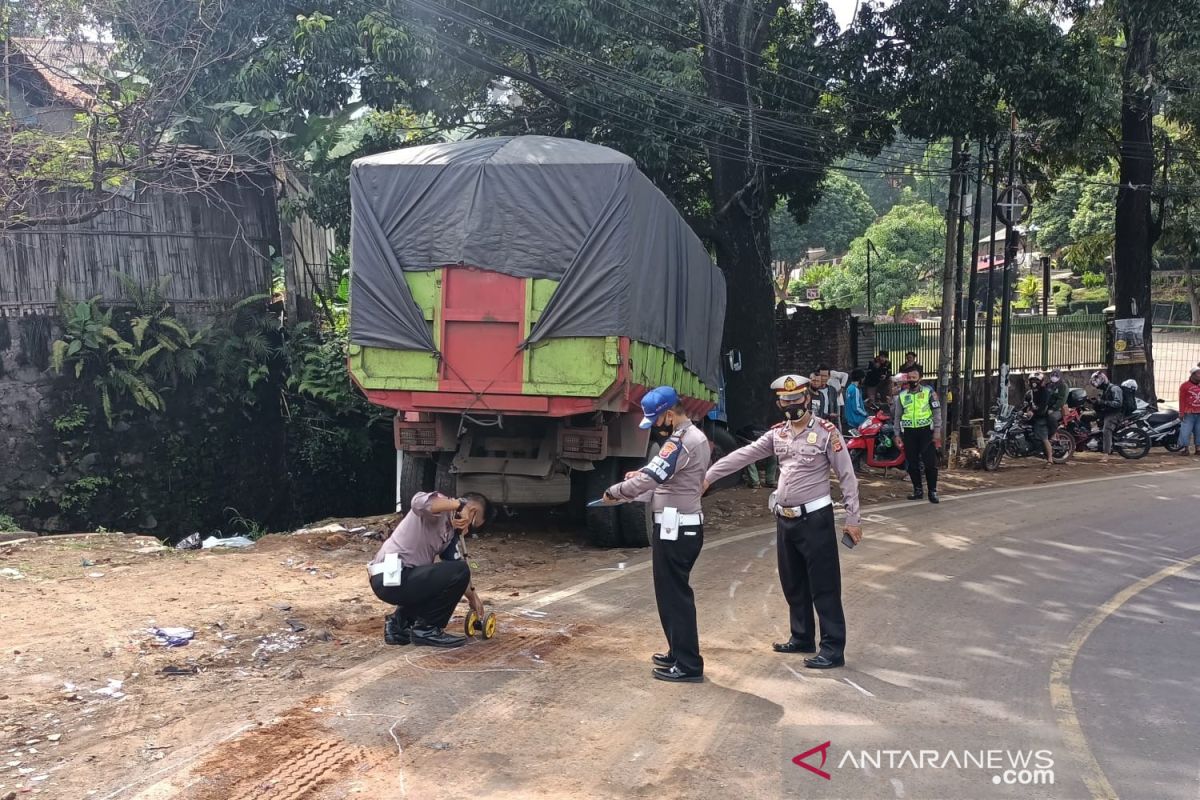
806	537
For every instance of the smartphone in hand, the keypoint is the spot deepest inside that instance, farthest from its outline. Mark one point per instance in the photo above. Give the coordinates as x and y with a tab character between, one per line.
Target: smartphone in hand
846	540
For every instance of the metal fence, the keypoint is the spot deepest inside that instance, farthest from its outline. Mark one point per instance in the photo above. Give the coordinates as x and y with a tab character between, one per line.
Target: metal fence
1176	353
1074	342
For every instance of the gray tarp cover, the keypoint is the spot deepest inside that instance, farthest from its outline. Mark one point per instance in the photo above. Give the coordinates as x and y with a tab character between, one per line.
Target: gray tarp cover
533	207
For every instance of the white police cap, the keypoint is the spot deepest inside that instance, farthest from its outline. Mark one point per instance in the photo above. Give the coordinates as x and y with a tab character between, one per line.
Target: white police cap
789	387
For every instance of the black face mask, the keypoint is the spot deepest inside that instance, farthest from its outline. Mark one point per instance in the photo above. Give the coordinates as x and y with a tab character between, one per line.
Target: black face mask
662	431
914	385
795	411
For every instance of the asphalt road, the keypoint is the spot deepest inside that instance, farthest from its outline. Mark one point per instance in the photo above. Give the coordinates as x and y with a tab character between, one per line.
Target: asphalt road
1024	643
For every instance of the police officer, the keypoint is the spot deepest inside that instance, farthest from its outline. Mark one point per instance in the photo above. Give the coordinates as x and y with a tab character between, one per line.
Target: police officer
674	476
918	412
806	538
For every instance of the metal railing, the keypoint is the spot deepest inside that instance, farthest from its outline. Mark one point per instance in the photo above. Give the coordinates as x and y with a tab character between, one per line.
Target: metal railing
1074	342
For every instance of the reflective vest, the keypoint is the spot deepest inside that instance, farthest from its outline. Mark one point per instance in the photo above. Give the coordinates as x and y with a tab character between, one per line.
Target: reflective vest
918	413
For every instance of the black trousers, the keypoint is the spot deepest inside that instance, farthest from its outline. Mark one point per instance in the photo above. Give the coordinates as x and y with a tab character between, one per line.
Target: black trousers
811	576
920	452
672	564
426	594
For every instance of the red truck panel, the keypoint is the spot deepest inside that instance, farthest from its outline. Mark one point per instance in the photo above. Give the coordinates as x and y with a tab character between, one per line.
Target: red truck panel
483	321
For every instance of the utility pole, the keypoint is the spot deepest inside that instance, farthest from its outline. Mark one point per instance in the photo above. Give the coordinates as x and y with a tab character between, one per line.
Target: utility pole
991	303
1010	254
953	221
869	312
955	364
972	294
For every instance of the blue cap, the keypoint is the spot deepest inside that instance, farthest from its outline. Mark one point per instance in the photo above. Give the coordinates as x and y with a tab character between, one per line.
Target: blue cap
655	402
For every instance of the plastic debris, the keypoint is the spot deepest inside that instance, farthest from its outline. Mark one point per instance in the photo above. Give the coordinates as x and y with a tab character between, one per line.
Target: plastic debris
174	671
325	529
296	625
54	737
231	541
172	637
113	689
189	543
9	572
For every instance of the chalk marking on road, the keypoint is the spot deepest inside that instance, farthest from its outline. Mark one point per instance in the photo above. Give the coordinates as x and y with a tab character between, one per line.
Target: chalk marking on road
762	552
898	788
400	753
1146	485
1160	497
1197	496
746	568
1064	663
792	670
856	686
733	588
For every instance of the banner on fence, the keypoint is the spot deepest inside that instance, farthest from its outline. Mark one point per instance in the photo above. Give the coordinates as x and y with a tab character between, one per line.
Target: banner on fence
1129	344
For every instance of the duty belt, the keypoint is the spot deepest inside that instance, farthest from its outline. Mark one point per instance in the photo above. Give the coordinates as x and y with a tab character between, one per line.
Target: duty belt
685	520
804	509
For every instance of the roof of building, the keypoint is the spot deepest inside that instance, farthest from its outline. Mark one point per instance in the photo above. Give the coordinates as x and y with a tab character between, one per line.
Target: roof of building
73	70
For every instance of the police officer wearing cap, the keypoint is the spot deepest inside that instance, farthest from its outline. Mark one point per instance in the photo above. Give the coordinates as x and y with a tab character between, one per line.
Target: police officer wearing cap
672	482
806	538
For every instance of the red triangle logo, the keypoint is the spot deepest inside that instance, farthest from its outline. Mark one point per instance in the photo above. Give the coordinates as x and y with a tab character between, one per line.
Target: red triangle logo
823	749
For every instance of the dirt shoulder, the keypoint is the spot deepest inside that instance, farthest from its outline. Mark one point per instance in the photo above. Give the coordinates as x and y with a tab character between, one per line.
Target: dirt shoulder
89	698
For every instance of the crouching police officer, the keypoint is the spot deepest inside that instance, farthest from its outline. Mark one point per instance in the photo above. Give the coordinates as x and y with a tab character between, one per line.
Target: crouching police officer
405	574
806	538
674	476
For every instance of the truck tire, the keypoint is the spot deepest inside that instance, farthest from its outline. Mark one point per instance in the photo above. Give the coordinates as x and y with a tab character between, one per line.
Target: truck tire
603	524
636	519
416	475
444	480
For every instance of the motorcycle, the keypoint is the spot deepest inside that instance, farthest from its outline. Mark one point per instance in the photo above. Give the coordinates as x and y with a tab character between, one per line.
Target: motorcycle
1161	426
1130	440
1012	435
875	443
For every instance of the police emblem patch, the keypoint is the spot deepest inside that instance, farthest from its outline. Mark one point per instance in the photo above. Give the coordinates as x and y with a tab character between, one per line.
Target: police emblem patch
837	443
812	438
667	449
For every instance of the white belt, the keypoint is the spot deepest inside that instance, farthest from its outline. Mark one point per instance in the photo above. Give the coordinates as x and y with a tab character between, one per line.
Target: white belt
685	520
804	508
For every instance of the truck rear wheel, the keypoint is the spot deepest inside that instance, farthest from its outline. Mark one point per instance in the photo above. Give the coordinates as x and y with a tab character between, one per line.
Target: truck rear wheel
416	475
637	521
444	480
603	524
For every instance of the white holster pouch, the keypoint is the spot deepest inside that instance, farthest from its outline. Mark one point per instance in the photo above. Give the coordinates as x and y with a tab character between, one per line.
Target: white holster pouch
669	525
391	570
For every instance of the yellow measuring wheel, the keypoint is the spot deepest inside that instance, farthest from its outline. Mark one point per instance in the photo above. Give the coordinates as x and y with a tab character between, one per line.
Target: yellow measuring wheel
485	627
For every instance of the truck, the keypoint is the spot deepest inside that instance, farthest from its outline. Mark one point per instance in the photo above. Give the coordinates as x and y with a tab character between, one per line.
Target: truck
512	299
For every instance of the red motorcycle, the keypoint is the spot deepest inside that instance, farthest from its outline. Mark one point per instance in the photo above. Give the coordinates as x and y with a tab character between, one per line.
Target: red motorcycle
875	443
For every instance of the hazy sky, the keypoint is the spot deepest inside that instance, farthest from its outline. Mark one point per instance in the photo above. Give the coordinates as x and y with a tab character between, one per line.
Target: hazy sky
844	9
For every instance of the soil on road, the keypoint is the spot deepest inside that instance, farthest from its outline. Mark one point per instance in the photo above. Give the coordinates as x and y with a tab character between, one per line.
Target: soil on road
287	689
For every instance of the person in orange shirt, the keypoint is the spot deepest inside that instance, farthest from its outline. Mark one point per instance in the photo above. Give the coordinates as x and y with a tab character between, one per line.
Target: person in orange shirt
1189	410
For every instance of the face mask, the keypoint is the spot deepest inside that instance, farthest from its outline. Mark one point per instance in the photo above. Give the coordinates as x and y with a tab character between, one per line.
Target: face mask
1054	379
795	411
662	431
914	385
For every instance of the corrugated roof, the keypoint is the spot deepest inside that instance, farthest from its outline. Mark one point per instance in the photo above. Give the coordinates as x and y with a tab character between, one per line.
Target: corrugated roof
72	69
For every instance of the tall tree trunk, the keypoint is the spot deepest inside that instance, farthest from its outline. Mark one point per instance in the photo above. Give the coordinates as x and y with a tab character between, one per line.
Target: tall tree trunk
953	220
733	32
1189	282
1136	229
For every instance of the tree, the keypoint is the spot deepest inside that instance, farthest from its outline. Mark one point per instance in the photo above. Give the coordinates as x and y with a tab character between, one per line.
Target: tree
1054	210
908	242
839	217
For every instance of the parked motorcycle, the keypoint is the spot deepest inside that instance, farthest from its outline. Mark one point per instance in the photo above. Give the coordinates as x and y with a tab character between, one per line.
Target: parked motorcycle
1012	435
875	443
1161	426
1130	439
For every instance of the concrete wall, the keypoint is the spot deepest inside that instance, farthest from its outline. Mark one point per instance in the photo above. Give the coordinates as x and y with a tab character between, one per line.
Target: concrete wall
24	400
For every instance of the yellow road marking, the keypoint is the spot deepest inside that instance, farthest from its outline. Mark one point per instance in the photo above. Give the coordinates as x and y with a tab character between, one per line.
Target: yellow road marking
1064	663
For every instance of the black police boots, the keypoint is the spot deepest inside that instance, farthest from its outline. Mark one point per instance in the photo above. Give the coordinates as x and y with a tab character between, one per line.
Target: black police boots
396	629
425	634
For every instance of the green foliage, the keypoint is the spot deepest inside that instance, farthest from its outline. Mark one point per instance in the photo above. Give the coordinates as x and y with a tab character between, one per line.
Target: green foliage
908	241
71	420
1092	280
1029	288
1052	214
8	524
244	526
1089	254
841	215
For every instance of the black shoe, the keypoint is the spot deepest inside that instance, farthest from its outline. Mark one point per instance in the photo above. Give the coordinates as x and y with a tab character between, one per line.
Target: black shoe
917	495
664	660
396	630
793	646
674	675
824	662
933	498
435	637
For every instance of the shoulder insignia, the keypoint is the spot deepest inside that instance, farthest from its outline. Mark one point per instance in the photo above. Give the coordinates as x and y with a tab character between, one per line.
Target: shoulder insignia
836	439
827	425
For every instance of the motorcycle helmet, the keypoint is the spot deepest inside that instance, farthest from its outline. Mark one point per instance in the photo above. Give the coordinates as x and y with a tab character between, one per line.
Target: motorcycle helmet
1076	398
1098	379
1130	384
